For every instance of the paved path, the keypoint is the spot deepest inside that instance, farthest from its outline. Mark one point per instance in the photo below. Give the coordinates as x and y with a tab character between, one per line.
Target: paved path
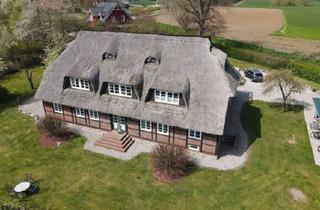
304	99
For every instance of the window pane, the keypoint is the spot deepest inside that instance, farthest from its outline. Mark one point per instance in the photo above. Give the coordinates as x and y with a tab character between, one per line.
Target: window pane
163	96
129	91
123	90
86	84
170	97
165	129
111	88
116	88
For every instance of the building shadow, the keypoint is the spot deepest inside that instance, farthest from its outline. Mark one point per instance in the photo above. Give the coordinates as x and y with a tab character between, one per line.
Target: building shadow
251	122
243	125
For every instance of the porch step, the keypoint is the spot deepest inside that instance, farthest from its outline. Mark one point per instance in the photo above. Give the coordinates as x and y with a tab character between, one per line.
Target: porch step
115	141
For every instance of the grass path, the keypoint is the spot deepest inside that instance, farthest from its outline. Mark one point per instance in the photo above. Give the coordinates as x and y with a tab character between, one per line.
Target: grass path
71	178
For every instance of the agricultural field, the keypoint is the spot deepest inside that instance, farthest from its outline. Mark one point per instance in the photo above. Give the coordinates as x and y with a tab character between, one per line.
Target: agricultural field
257	26
301	22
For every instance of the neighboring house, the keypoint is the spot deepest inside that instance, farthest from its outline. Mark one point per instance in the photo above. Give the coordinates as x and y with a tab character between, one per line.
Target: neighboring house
109	13
168	89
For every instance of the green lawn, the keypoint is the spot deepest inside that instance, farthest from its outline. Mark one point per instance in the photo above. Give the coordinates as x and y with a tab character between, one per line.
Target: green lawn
302	22
71	178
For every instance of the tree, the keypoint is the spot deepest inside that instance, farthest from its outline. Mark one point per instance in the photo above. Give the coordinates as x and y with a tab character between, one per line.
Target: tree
285	82
204	13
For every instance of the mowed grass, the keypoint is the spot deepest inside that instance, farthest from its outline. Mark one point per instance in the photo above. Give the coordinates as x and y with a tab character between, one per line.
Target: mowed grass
72	178
301	22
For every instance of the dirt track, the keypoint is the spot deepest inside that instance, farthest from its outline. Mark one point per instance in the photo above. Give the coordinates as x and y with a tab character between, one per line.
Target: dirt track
256	25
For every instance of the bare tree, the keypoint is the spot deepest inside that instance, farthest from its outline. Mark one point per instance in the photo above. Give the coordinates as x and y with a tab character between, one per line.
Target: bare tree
204	13
285	82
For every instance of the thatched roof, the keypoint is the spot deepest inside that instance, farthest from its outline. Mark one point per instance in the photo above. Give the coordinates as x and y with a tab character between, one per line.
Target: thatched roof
187	66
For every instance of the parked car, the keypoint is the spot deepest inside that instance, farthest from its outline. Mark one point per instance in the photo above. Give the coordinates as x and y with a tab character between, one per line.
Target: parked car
254	75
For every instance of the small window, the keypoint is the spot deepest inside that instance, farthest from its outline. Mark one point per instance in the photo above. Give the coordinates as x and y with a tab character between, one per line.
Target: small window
57	108
195	134
80	112
94	115
166	97
80	84
145	125
162	129
194	147
120	90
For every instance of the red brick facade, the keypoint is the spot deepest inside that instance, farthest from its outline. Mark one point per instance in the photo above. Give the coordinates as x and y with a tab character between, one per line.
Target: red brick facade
117	17
177	136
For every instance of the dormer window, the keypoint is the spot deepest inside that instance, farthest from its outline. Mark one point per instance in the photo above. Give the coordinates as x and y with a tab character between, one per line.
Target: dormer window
150	60
108	56
166	97
80	84
120	90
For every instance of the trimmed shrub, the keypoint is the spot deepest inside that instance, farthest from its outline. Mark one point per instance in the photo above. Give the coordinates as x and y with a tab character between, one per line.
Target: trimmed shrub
170	162
55	128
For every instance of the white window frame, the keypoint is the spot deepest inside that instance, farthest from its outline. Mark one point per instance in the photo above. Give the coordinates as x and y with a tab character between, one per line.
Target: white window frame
57	108
80	84
145	125
193	134
93	115
166	97
120	90
161	129
80	112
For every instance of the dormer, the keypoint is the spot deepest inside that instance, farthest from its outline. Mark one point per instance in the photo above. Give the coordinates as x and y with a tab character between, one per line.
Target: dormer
167	88
82	80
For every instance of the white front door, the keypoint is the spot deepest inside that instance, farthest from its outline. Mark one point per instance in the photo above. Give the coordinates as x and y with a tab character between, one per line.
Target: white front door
119	123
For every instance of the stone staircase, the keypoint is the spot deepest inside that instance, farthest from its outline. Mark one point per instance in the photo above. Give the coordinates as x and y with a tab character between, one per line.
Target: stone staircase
117	141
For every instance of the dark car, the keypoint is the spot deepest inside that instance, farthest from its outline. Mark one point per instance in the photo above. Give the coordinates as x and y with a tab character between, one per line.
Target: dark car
254	75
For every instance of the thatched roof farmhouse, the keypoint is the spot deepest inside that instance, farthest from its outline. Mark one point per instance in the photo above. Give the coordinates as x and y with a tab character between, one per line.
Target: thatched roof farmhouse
196	73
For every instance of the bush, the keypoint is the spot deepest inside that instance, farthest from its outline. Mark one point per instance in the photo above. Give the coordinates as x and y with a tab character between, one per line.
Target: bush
55	128
170	162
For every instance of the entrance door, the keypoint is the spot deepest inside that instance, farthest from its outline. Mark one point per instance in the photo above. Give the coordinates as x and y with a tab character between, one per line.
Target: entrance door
119	123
